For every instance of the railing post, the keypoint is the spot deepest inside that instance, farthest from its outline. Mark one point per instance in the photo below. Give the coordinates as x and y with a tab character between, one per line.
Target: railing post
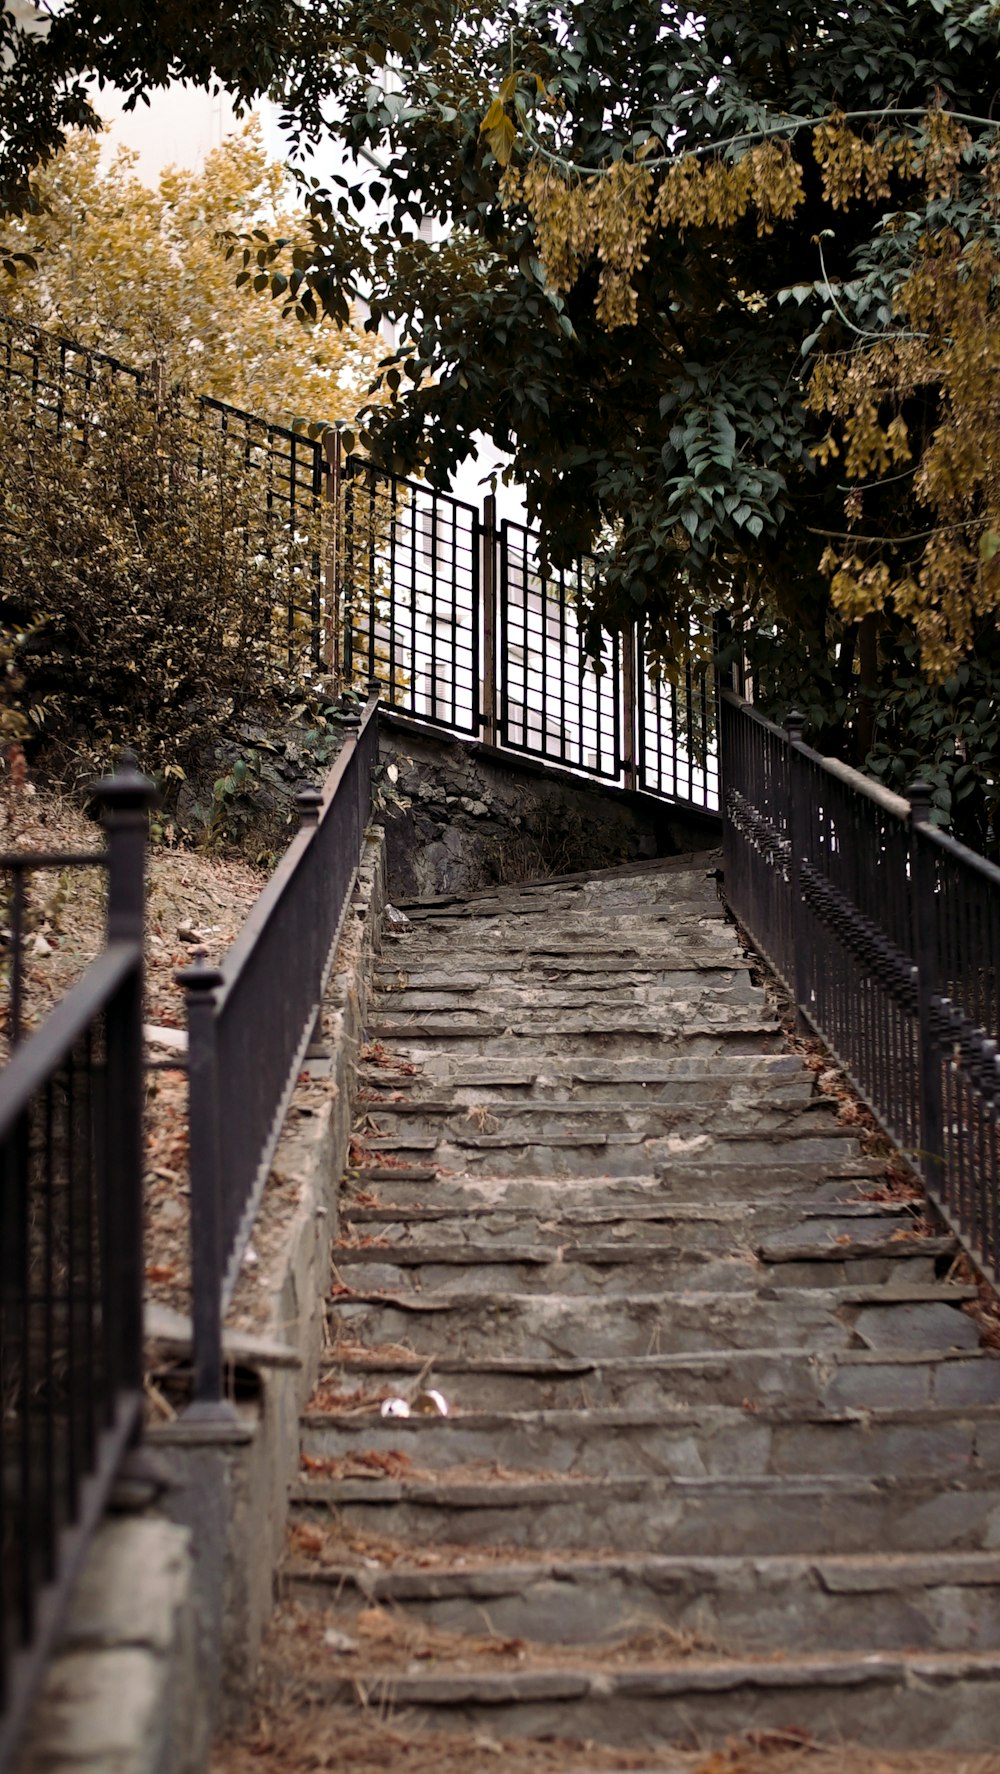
630	705
924	933
349	716
309	802
488	585
125	799
331	561
794	728
200	982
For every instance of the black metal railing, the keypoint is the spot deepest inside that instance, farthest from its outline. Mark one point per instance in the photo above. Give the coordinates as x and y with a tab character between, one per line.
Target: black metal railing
677	735
249	1025
71	1266
56	378
464	622
282	475
887	933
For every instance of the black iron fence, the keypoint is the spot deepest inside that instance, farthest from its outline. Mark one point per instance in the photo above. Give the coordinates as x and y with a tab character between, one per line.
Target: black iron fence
887	932
249	1025
463	622
71	1175
466	624
271	480
71	1268
553	701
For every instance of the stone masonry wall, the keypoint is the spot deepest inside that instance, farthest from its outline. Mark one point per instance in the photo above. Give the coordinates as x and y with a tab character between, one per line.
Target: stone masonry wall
478	817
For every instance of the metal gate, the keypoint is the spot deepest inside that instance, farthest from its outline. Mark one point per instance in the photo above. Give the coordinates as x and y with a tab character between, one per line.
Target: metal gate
409	571
677	736
552	700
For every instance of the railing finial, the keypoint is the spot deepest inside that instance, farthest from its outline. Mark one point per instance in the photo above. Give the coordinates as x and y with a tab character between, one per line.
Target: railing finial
919	795
795	725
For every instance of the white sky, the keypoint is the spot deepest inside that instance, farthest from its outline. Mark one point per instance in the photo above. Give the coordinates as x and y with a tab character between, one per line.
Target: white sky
181	126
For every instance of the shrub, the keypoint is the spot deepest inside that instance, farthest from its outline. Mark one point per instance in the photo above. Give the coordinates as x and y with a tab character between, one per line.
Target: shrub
139	557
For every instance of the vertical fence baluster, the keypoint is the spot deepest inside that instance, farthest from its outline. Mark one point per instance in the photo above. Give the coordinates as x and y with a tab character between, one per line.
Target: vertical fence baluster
798	814
126	799
923	882
331	554
630	702
199	983
17	957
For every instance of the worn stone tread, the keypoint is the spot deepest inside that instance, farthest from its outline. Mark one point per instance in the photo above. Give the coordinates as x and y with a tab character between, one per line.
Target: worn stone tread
892	1698
683	1676
860	1574
410	1255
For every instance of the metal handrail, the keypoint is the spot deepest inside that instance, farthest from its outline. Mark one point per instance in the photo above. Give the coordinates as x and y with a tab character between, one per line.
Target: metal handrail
886	932
34	1061
71	1260
249	1025
855	779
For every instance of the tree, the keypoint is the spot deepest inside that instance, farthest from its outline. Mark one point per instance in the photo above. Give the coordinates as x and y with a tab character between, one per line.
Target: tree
141	273
54	52
140	579
685	251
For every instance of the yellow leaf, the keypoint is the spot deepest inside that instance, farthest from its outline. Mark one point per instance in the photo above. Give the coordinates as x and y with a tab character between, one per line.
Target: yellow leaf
501	140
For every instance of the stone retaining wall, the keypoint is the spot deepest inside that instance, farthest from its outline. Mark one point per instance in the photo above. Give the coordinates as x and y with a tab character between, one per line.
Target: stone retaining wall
479	817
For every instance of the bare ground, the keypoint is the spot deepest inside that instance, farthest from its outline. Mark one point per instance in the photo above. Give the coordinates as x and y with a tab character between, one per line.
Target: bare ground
195	900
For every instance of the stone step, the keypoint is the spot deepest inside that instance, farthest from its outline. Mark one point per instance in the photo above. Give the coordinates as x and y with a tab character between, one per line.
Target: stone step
740	1516
530	1000
683	899
631	876
596	969
418	1093
606	1269
636	880
538	1021
837	1379
539	1121
696	927
785	1230
577	1015
566	911
674	1184
636	877
703	1075
547	1325
600	1154
671	1441
417	1042
893	1699
553	957
938	1601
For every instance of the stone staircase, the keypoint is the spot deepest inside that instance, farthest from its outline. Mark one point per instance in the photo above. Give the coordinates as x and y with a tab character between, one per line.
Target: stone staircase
722	1452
